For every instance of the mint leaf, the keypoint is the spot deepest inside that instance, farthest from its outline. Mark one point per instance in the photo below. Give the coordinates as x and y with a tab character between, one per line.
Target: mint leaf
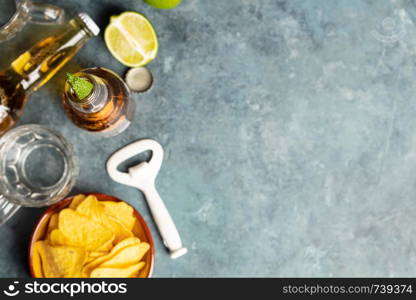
82	87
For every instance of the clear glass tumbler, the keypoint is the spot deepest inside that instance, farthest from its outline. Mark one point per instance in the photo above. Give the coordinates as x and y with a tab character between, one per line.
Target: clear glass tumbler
15	14
37	168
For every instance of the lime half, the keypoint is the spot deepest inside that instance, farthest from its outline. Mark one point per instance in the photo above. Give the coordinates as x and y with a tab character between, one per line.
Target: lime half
163	4
131	39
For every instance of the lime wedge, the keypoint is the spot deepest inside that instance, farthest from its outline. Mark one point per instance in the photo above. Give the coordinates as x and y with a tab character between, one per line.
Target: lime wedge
82	87
163	4
131	39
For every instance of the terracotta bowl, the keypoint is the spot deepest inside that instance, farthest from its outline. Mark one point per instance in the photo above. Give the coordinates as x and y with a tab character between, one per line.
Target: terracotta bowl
140	230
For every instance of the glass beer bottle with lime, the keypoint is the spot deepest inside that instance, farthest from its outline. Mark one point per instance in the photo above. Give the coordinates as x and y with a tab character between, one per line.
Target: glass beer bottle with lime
98	100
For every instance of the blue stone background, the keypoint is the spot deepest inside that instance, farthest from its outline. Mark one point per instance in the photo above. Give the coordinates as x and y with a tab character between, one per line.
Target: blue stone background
289	129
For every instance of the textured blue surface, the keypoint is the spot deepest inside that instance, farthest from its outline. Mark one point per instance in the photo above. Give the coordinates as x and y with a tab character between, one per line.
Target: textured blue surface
289	129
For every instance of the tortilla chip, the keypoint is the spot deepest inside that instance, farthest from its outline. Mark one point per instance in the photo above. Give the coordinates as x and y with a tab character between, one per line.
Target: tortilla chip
127	272
76	200
57	238
60	261
107	246
96	254
92	255
127	256
81	231
53	222
121	211
36	262
91	207
117	248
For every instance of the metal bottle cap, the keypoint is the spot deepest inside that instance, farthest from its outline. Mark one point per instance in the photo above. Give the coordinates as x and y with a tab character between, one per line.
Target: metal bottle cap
89	23
139	79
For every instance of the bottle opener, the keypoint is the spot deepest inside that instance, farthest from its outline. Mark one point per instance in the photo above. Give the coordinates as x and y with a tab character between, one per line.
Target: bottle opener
142	176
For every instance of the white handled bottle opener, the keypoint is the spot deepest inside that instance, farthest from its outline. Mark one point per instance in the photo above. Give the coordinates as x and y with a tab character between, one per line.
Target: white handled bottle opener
142	176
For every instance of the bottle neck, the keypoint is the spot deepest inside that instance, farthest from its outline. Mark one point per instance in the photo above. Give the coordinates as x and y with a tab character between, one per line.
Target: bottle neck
95	101
40	63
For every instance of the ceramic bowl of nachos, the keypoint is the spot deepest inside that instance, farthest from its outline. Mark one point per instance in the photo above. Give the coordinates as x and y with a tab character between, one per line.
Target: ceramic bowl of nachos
91	236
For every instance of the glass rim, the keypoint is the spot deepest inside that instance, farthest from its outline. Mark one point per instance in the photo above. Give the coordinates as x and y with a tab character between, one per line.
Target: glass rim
17	14
68	176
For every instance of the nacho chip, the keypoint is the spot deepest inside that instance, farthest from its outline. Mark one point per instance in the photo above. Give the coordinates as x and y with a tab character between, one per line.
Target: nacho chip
96	254
106	246
60	261
91	208
76	200
81	231
119	230
120	246
53	222
36	262
127	272
92	255
127	256
121	211
126	242
57	238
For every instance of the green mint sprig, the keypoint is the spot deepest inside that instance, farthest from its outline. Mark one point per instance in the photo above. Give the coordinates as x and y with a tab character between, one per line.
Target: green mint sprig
82	87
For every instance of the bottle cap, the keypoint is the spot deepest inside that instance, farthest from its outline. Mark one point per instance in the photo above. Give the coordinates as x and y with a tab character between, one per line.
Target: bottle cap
89	23
139	79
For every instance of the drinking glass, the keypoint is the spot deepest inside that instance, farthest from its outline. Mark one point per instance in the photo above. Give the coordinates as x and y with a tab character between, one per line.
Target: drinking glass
15	14
37	168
